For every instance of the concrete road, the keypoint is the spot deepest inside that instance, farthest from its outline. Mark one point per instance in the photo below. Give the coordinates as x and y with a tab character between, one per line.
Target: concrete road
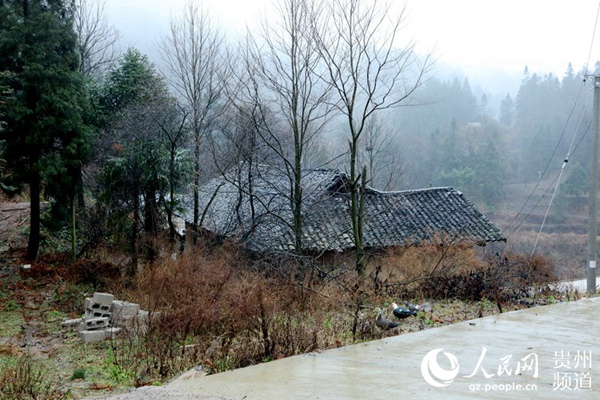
550	352
579	285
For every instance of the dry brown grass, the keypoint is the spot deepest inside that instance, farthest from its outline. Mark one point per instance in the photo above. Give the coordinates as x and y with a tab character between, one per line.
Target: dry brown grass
443	270
403	272
216	309
221	309
568	251
208	309
25	378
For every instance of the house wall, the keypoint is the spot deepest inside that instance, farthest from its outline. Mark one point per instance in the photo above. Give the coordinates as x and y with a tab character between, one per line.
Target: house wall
403	264
335	261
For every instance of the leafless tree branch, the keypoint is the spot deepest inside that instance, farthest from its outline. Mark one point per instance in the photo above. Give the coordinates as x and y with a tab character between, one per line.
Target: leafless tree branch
193	54
97	38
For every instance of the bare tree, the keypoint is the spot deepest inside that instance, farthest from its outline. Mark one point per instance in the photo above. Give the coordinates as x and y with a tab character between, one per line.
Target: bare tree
240	152
380	151
193	55
281	74
369	72
97	39
171	120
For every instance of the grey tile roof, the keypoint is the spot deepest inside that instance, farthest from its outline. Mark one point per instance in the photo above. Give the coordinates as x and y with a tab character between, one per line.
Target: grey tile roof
391	218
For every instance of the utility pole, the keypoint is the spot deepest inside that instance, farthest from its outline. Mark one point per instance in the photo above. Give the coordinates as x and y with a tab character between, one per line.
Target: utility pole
591	267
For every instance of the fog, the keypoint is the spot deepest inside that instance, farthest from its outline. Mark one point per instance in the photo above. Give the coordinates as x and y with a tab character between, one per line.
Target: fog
483	115
489	41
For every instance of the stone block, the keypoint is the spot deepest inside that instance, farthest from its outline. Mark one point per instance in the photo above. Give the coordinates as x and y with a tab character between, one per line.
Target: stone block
130	322
97	314
143	318
89	336
99	307
101	301
126	321
124	308
92	336
144	315
111	332
71	324
95	323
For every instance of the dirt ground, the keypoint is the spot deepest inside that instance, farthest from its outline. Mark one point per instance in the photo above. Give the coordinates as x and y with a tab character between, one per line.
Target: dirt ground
14	218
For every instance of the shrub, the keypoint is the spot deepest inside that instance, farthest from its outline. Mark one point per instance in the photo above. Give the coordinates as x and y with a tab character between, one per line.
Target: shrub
24	378
421	271
503	278
512	277
78	374
209	308
95	273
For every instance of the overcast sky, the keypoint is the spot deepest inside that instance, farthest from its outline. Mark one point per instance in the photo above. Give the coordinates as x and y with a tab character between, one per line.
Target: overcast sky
478	36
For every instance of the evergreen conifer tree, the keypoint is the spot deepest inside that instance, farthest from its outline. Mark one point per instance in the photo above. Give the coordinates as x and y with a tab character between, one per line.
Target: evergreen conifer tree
47	140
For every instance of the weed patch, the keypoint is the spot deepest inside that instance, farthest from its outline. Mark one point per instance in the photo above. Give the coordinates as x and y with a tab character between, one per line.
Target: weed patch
221	310
10	322
25	378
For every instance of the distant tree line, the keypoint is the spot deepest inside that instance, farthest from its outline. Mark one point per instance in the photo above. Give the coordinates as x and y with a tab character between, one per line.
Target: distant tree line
458	143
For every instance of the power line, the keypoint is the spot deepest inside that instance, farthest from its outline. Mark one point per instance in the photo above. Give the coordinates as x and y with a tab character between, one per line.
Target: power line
561	136
547	164
549	187
562	169
548	209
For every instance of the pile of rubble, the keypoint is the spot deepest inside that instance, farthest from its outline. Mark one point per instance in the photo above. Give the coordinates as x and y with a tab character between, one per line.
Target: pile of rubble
105	317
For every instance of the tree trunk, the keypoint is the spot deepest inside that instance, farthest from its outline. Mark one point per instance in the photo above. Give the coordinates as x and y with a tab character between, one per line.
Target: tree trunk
134	235
150	212
297	201
196	173
170	207
297	211
360	248
151	223
356	203
34	216
80	192
172	230
73	230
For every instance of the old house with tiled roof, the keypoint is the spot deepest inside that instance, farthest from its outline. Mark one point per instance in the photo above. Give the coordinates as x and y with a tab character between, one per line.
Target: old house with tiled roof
255	209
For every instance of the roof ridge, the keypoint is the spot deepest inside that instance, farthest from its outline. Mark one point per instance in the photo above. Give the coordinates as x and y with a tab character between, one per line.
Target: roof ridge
408	191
